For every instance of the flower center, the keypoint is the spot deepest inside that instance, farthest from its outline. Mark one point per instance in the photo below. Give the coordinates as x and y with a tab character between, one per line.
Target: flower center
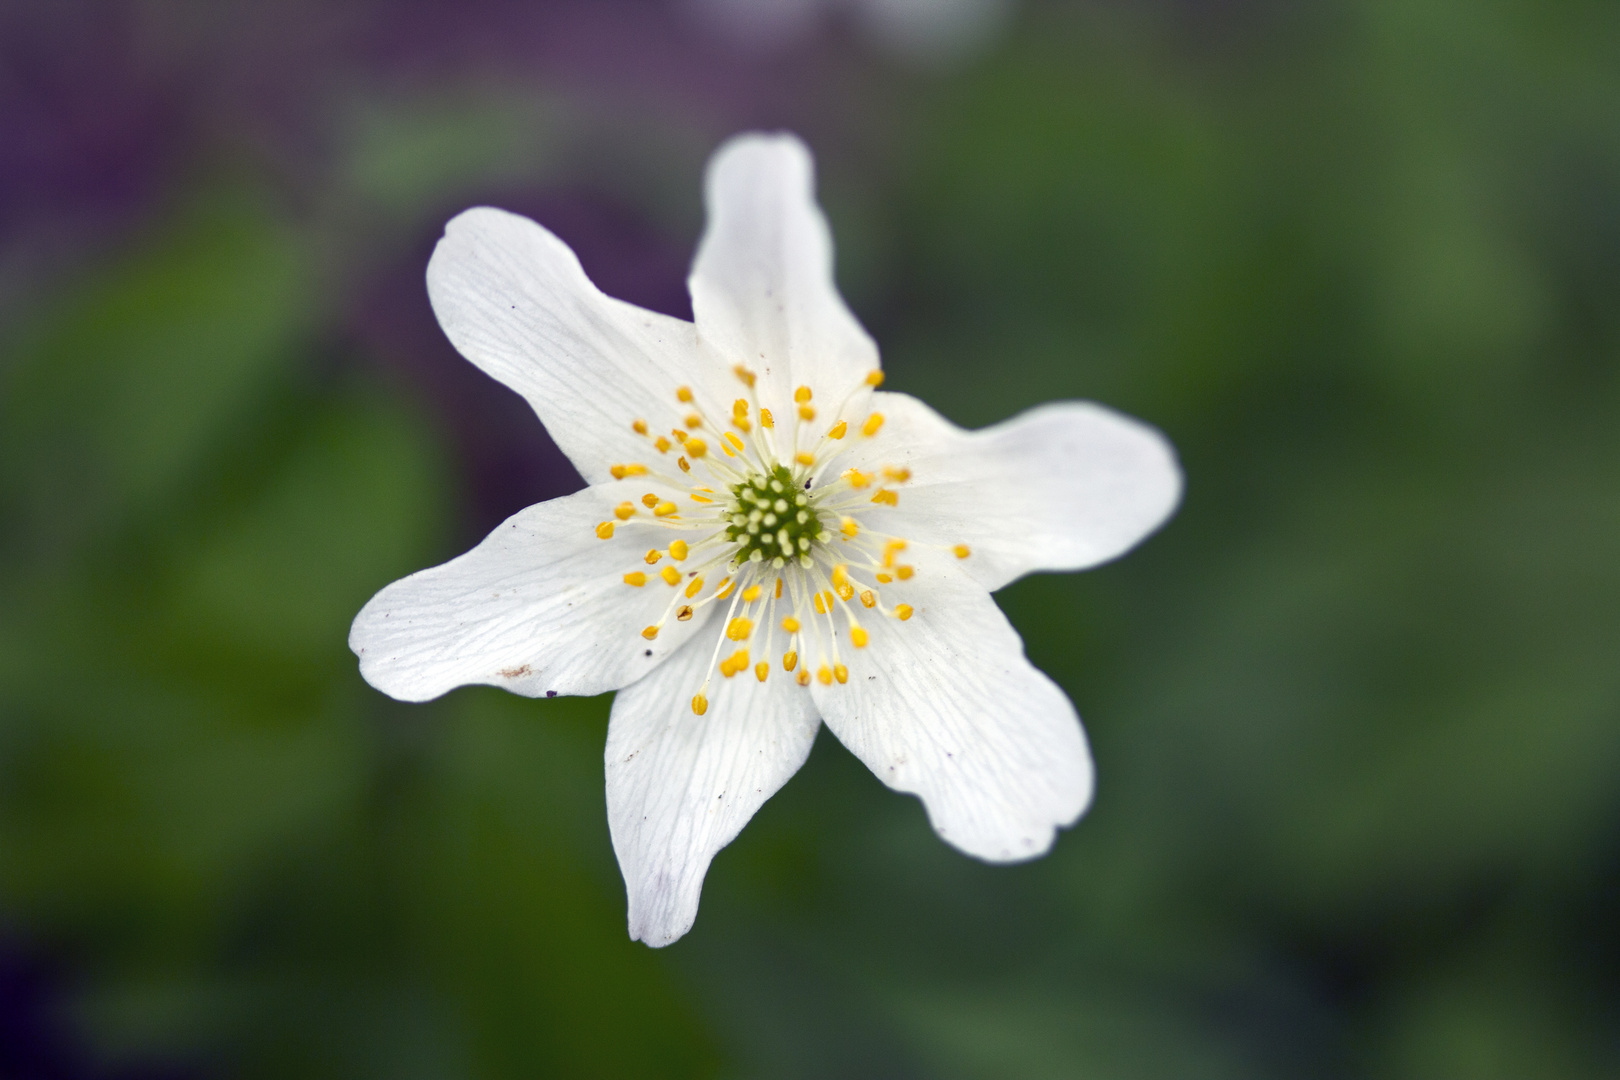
773	519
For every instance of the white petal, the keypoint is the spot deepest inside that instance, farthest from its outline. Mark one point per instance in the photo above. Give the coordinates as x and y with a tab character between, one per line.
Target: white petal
514	300
540	607
762	285
681	786
1063	486
945	706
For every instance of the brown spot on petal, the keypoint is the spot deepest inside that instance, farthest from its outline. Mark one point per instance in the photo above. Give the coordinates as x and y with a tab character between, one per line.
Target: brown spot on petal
516	672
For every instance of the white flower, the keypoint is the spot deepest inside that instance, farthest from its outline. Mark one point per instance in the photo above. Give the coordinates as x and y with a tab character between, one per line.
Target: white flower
768	541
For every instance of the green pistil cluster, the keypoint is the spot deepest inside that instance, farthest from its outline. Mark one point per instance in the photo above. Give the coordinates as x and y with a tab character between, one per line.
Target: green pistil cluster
772	519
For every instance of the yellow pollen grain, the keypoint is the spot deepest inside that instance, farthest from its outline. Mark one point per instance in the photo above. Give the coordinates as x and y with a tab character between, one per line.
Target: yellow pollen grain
824	674
665	509
961	551
694	587
671	575
684	466
904	572
653	555
694	421
677	550
872	424
662	444
868	598
683	614
684	394
801	395
849	527
649	500
807	413
804	457
791	625
845	590
696	447
841	673
858	637
886	497
803	677
856	478
636	578
903	612
725	589
700	705
765	418
790	660
624	510
736	443
898	475
751	594
761	670
605	530
639	426
884	579
739	629
874	378
650	633
839	430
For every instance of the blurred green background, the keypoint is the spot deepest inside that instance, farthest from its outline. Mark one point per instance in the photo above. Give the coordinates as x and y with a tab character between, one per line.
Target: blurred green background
1356	711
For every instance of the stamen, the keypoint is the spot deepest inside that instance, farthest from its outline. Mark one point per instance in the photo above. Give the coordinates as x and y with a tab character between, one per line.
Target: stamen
745	375
804	457
765	418
694	421
736	443
696	447
700	705
684	466
824	675
790	660
884	579
872	424
624	510
677	550
841	673
604	531
683	394
903	612
761	670
694	587
684	614
653	556
650	633
639	426
961	551
807	413
904	572
874	378
858	638
637	578
664	509
849	528
662	444
619	472
868	599
803	678
838	430
886	497
671	575
801	395
725	589
739	629
778	588
898	474
649	500
856	478
751	594
791	625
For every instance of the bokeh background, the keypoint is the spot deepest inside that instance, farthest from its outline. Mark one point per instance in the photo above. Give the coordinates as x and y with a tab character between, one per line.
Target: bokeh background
1356	711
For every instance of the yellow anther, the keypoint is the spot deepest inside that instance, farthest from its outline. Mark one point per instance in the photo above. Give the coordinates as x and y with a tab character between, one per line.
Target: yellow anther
636	578
696	447
751	594
650	633
694	587
904	572
791	625
884	579
790	660
664	509
737	661
868	598
653	555
801	395
700	704
807	413
840	574
841	673
874	378
677	550
633	469
903	612
845	590
736	443
739	628
849	527
898	474
605	530
662	444
670	575
701	499
765	418
856	478
829	598
680	436
741	423
838	430
725	589
779	588
890	549
886	497
804	457
683	614
694	421
961	551
857	636
803	677
744	374
761	670
624	511
617	472
684	466
821	609
729	452
639	426
872	424
824	674
739	407
683	394
649	500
